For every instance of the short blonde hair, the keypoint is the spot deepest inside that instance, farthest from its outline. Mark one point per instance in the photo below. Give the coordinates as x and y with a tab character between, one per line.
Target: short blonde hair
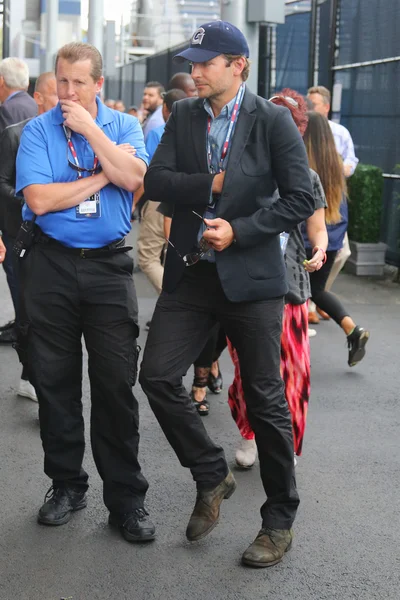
246	71
76	51
322	91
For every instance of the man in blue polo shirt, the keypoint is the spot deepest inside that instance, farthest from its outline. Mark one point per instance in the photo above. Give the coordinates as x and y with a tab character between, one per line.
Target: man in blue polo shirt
77	170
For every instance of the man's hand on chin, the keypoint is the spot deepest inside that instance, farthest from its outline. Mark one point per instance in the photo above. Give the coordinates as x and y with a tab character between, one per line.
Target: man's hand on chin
77	118
220	235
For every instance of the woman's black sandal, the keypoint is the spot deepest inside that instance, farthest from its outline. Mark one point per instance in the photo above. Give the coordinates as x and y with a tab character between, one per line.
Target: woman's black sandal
215	384
200	382
202	407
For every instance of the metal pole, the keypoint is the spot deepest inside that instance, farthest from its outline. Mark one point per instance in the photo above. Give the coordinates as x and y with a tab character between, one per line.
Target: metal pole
367	63
313	43
51	33
121	42
332	42
6	28
263	63
234	11
96	23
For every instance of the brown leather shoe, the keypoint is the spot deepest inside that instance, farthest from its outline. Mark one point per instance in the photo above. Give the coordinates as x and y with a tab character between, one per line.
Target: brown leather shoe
205	515
313	318
268	548
323	314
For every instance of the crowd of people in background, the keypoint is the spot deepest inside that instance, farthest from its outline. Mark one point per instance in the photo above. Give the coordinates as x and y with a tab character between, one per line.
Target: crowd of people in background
243	218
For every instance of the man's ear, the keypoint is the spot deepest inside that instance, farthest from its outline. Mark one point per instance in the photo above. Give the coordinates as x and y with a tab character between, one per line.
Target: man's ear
37	96
239	64
99	85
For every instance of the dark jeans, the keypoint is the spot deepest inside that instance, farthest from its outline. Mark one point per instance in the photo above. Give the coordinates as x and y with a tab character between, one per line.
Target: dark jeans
181	324
327	301
64	297
11	271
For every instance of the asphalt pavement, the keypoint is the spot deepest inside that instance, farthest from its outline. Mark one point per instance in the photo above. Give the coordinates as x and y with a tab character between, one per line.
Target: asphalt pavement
346	534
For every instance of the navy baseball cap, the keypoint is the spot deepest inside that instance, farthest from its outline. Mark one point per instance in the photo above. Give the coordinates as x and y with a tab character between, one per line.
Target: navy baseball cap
211	40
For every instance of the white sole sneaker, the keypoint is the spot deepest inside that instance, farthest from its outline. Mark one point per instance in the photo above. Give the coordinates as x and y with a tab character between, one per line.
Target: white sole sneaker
246	454
26	390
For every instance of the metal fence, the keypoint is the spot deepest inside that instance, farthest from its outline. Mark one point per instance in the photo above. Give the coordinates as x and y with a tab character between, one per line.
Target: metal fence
350	46
131	78
367	69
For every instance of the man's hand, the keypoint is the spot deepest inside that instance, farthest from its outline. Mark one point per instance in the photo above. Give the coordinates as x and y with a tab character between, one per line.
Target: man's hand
127	148
2	251
218	183
220	236
77	118
347	170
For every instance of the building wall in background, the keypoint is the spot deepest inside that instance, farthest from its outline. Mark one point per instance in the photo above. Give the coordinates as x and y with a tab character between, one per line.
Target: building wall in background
28	29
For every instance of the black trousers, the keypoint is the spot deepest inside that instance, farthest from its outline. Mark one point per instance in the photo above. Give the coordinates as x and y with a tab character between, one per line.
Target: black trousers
11	268
181	324
11	271
323	299
64	297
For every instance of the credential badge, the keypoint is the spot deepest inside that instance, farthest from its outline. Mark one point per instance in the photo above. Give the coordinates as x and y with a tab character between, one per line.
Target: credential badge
198	36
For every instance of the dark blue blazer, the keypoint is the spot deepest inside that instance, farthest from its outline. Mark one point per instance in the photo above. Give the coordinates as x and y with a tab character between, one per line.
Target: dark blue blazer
267	153
18	108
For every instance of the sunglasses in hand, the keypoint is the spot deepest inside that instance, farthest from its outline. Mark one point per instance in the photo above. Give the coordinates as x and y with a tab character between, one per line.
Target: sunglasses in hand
201	250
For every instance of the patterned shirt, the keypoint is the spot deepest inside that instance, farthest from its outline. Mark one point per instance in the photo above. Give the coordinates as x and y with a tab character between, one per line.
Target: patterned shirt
216	137
298	278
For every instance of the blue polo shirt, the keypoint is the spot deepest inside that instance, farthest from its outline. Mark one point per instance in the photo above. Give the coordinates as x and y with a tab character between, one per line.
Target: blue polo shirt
153	139
42	158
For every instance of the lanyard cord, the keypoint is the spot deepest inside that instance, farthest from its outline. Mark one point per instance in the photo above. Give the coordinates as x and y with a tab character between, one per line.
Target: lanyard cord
232	123
71	147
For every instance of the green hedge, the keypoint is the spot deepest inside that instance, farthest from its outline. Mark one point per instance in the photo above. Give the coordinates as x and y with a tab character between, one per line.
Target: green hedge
365	189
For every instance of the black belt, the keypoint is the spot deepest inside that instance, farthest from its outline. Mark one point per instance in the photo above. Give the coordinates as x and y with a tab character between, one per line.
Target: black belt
113	248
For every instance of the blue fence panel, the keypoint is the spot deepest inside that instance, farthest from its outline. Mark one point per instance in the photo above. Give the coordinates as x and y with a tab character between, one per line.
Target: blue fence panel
292	47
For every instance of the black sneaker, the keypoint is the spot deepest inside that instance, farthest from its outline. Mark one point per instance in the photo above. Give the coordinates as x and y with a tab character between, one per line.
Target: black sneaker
9	325
356	342
8	336
135	526
59	504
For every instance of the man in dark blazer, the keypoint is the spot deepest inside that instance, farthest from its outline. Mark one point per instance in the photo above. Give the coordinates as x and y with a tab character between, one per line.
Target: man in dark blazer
222	156
16	105
45	98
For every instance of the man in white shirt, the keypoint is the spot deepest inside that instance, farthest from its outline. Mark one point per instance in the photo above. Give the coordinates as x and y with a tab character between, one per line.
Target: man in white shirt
320	97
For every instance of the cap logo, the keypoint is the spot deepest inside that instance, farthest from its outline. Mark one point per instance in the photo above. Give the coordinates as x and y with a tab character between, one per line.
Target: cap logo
198	36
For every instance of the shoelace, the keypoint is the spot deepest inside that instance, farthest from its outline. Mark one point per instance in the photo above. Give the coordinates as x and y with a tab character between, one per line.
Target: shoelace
52	493
138	514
